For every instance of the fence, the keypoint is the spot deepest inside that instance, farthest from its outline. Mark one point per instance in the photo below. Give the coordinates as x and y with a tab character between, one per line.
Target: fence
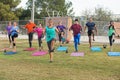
101	37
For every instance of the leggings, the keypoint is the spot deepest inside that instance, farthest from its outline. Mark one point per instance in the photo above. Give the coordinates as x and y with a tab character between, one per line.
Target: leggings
49	43
9	36
30	38
39	41
13	37
110	39
76	39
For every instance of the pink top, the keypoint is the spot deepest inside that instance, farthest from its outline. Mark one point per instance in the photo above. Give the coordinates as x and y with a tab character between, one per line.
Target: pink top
39	31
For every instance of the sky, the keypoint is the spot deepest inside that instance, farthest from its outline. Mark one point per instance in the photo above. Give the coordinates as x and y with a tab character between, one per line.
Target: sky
81	5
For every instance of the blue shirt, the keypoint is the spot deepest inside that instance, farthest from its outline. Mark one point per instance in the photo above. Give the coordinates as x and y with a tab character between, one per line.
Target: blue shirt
90	25
14	30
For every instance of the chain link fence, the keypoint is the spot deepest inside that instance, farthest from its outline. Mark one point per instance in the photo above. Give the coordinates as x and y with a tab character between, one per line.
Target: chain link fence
101	37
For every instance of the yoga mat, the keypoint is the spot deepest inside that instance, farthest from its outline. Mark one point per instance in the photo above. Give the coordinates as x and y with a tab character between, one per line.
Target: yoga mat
77	54
62	48
10	53
39	53
113	53
96	49
29	49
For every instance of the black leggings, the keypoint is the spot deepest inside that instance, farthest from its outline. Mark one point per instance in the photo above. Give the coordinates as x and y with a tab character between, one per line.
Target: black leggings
9	36
13	37
39	41
49	45
110	39
30	38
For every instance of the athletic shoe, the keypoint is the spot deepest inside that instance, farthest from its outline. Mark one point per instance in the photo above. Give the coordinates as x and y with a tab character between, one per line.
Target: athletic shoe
113	40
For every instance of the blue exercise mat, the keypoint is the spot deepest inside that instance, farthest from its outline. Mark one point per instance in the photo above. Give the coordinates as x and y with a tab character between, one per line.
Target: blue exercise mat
113	53
10	53
96	49
62	48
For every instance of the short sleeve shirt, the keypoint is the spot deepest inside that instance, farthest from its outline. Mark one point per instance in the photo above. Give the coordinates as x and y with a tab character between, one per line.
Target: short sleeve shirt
90	25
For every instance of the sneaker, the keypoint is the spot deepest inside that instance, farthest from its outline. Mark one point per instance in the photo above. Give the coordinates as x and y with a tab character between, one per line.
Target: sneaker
113	40
50	61
78	43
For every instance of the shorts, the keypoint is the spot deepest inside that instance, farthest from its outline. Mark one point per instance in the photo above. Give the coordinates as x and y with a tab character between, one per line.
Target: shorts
90	32
49	45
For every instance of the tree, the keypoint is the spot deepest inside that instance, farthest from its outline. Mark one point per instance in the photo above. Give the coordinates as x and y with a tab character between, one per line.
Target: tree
8	10
102	14
99	14
45	8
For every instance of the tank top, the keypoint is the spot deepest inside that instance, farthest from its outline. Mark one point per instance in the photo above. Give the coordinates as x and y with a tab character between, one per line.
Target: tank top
50	33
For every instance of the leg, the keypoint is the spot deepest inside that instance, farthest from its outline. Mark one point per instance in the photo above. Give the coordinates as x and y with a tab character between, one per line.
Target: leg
9	36
110	40
89	36
39	42
30	36
14	44
79	38
113	37
76	43
59	35
50	52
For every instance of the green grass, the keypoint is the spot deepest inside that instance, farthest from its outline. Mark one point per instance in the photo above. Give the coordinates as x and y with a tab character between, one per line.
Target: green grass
93	66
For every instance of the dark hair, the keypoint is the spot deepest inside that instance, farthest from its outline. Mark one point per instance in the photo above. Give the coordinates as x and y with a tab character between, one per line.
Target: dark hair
111	25
76	19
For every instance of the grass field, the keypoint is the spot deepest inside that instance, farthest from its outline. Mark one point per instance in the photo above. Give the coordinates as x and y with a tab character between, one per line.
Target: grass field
93	66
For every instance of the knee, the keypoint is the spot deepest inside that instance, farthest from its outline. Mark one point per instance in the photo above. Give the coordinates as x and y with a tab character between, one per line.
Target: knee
14	44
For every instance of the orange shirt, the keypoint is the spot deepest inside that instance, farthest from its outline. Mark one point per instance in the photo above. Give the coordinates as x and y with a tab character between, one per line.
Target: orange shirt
29	27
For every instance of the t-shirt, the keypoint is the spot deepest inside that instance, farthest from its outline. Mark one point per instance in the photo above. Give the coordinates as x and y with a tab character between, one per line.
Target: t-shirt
39	31
8	28
14	30
90	25
111	31
76	29
30	27
61	28
50	33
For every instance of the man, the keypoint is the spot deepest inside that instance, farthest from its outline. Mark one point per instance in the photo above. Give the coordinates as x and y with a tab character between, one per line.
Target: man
29	26
76	28
91	28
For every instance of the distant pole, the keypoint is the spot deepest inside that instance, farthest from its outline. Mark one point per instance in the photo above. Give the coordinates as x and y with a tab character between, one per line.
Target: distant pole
32	12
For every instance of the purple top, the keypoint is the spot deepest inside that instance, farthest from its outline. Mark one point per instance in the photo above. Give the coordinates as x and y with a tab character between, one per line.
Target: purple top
61	28
76	29
39	31
8	28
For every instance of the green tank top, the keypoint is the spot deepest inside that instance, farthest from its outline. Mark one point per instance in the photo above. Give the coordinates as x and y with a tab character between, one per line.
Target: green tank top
111	31
50	33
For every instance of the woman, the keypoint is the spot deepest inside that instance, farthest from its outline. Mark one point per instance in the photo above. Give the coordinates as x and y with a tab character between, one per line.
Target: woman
39	30
8	28
14	33
111	34
50	31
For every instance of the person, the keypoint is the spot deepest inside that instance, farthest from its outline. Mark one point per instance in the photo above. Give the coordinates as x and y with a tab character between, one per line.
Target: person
8	28
29	26
76	28
111	34
50	31
91	29
61	33
14	33
39	30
